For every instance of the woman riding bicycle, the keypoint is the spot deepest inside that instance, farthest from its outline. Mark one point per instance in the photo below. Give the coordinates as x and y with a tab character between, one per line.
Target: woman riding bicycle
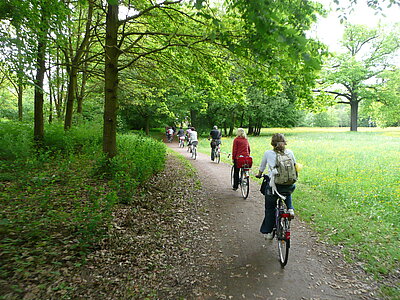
215	136
278	143
241	147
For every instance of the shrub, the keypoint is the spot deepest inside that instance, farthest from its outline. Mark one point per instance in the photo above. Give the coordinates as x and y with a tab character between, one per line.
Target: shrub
80	138
15	140
139	157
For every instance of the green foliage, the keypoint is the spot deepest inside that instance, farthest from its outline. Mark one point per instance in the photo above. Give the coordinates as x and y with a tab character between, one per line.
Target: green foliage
53	209
87	135
337	116
356	75
138	158
15	140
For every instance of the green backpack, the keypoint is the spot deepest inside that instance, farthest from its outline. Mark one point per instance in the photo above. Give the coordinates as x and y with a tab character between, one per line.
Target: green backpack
287	174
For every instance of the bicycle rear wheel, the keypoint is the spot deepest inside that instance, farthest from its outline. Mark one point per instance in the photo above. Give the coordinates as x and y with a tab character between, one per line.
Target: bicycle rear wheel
244	184
232	172
194	152
218	157
283	237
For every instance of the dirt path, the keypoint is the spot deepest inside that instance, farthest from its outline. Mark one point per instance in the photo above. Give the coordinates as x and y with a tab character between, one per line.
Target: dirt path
248	267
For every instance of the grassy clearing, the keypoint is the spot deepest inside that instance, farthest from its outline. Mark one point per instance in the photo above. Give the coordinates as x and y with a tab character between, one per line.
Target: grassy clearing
349	188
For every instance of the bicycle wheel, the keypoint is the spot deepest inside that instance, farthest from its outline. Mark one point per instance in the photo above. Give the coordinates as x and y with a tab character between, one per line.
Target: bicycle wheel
244	184
218	156
232	172
194	152
283	241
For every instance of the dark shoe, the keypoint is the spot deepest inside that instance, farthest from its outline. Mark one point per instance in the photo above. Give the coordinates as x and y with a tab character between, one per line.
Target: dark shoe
235	189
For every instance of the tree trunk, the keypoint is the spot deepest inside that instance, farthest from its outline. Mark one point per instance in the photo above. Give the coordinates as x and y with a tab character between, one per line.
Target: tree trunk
20	94
72	83
242	119
75	64
59	89
250	129
147	124
111	83
353	115
38	131
81	92
193	116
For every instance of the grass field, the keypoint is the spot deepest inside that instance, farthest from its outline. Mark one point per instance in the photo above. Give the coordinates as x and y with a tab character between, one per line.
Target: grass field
349	189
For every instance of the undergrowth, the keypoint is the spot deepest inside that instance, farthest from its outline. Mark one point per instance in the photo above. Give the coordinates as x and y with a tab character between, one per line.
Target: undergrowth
56	203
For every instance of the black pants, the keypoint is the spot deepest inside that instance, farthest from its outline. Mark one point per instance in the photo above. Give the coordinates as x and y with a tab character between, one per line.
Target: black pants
236	171
214	144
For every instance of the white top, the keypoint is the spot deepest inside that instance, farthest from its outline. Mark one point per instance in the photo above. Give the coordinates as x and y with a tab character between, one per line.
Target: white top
269	159
193	136
170	131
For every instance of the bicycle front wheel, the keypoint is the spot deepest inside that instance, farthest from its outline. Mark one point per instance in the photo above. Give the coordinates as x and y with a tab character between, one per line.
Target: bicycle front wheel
244	184
283	241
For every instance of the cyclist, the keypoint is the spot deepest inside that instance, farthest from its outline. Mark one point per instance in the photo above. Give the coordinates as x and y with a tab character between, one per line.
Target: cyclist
170	134
180	133
193	137
215	136
278	143
240	147
188	131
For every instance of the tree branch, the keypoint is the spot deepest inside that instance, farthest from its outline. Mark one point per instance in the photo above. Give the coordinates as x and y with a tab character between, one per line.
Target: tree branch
143	12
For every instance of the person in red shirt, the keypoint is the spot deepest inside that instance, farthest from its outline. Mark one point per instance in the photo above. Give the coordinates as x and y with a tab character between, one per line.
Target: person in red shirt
240	147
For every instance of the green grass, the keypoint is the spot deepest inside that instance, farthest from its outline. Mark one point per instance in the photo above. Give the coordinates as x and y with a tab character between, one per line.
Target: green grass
349	188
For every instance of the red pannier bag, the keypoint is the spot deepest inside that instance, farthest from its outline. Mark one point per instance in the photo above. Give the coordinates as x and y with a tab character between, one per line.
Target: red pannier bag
244	162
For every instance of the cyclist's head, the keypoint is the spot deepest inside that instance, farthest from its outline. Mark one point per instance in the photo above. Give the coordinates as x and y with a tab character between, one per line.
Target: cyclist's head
240	132
278	141
215	127
193	129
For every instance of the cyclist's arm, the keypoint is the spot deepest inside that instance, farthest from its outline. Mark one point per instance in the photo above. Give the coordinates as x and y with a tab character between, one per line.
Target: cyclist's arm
263	165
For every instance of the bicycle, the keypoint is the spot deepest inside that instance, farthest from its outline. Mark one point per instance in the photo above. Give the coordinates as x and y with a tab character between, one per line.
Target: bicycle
170	138
281	230
194	149
181	142
244	163
217	153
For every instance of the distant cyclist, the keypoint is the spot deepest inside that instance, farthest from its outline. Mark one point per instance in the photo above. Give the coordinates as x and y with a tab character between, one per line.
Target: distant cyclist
170	134
180	132
181	135
188	131
240	147
193	137
215	136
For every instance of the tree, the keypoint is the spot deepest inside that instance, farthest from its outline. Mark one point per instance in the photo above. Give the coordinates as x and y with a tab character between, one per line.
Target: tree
385	110
33	21
353	76
74	56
